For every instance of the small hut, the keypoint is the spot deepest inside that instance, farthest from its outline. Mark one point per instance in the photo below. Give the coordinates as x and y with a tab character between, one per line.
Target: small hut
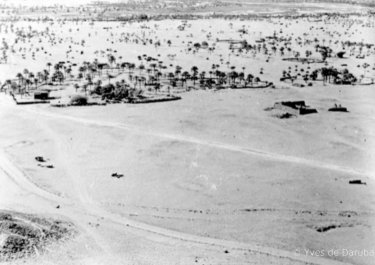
42	95
340	54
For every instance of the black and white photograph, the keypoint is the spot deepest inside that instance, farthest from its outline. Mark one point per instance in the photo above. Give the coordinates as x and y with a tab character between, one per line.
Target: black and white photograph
208	132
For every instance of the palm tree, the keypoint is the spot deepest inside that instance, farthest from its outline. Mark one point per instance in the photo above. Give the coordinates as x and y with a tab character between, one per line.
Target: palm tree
27	83
170	76
123	65
90	83
153	66
141	79
20	78
178	71
136	78
141	67
40	76
183	80
185	75
68	71
109	78
57	67
46	74
160	65
202	75
36	81
130	67
233	75
324	72
111	59
84	86
194	78
149	71
26	72
99	68
49	67
20	90
31	75
59	76
250	78
194	69
365	65
241	76
9	83
82	70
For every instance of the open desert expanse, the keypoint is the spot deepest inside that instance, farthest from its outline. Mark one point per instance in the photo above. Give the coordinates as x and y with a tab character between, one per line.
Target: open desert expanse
216	174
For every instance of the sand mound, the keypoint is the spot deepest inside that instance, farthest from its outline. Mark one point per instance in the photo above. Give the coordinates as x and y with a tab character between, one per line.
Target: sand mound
24	235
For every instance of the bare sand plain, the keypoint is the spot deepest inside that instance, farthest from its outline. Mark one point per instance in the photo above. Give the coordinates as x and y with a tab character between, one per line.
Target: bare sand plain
210	179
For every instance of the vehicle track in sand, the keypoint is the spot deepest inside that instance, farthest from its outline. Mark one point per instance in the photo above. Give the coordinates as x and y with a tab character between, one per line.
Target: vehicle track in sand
182	138
65	155
90	207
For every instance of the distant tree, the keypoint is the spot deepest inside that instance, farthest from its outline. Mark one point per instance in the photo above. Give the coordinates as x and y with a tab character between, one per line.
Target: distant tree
153	66
26	72
186	75
20	78
233	76
76	86
111	60
170	76
364	66
241	76
8	82
204	44
141	68
250	78
109	78
194	69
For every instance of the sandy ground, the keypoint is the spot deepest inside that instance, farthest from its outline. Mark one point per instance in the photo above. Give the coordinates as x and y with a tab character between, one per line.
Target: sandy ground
230	182
101	40
210	179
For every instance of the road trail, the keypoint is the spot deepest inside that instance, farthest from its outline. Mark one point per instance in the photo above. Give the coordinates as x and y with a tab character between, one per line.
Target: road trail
234	148
74	209
91	208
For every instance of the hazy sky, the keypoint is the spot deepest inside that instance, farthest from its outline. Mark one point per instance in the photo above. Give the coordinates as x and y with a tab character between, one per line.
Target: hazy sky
50	2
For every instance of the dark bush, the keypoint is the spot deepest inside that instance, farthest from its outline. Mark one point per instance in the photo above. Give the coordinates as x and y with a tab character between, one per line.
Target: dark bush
78	100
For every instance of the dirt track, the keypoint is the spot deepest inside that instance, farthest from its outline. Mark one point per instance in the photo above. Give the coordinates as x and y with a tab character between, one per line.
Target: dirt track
86	206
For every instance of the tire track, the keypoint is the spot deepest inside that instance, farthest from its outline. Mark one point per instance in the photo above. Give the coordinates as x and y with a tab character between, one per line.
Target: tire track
233	148
91	208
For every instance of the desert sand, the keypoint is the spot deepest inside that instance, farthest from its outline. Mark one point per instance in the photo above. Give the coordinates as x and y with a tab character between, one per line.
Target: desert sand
212	178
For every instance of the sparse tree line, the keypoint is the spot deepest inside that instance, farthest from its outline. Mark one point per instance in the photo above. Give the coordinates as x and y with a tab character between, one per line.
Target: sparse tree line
141	17
327	74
